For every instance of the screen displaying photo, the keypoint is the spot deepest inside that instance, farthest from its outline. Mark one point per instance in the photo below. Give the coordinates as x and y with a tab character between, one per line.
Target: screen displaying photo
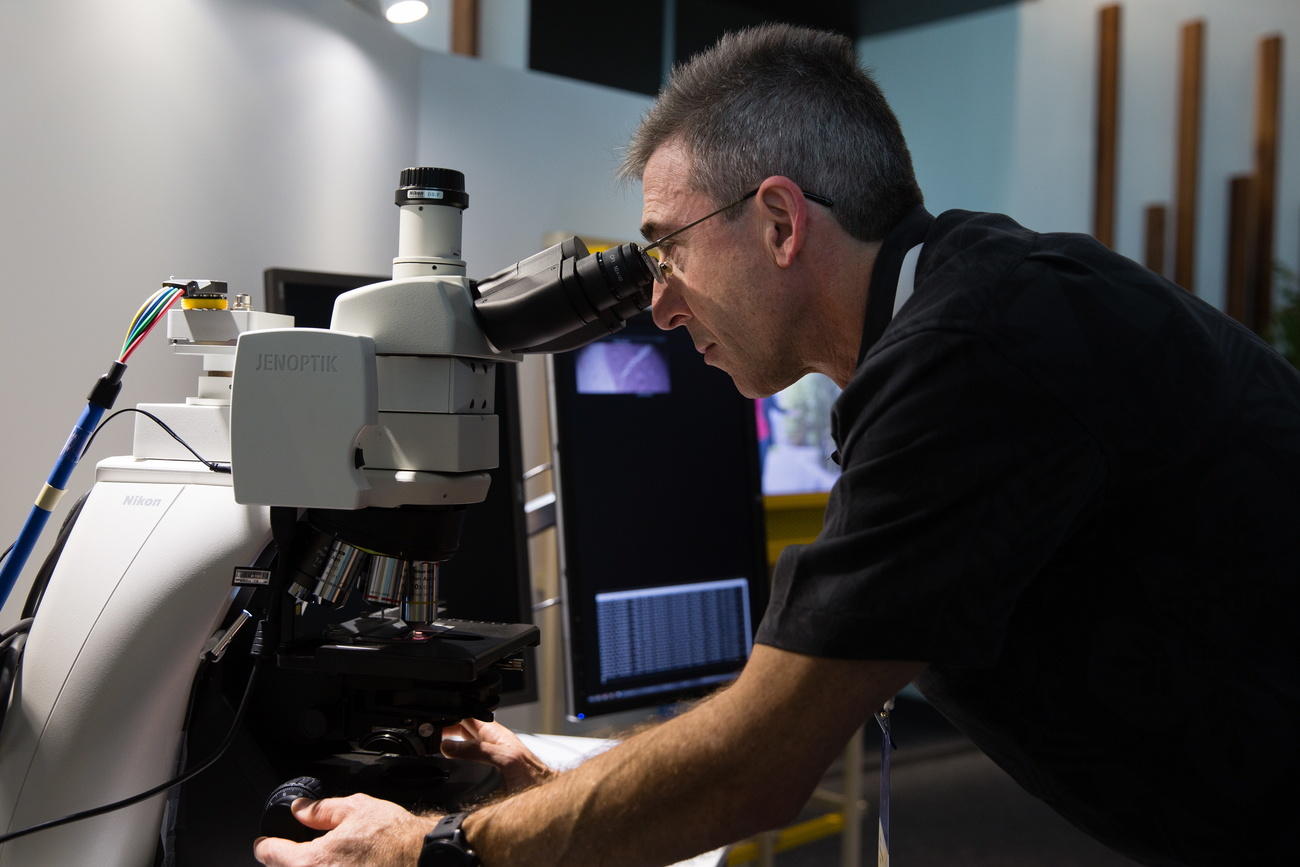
794	437
622	367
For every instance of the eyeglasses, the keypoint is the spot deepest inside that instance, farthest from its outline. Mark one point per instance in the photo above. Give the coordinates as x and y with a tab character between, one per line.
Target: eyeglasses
664	269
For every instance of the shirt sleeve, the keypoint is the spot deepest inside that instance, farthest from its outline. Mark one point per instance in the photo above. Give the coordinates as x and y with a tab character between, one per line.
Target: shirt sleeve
962	480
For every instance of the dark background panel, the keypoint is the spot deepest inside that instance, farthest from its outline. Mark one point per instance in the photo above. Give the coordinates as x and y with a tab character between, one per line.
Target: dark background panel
700	24
614	44
623	44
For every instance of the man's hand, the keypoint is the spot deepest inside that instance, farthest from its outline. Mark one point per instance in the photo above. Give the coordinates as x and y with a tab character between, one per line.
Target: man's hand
497	745
363	832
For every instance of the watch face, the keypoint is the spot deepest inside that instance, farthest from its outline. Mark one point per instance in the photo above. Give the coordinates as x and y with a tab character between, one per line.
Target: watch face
444	853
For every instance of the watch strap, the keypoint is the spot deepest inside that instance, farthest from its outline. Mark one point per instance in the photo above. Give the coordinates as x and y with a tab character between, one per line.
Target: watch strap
446	844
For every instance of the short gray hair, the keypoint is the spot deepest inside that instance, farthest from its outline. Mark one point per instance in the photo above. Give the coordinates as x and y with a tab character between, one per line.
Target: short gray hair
785	100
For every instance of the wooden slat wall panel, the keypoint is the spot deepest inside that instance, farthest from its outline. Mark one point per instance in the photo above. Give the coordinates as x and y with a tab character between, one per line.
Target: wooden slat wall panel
1190	87
1268	88
1154	242
1103	223
1237	300
464	27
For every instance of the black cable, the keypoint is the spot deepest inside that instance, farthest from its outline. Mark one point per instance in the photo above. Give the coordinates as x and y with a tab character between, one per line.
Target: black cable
7	550
215	466
144	796
11	654
46	573
21	626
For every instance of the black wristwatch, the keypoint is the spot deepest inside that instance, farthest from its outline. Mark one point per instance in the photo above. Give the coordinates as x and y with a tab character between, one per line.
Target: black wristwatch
445	845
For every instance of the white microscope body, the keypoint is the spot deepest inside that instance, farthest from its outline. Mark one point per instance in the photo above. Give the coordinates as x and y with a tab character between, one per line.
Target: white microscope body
142	582
391	406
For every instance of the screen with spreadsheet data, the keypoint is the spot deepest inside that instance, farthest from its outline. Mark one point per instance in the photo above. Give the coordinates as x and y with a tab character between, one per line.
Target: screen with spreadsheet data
661	530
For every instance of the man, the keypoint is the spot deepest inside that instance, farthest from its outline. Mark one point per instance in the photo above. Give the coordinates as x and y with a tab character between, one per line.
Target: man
1067	506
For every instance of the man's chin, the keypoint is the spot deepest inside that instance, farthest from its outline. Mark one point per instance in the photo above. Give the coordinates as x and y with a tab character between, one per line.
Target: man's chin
748	389
744	385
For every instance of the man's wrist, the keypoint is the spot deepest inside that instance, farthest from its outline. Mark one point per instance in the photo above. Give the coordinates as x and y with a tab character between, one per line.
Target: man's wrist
475	832
446	844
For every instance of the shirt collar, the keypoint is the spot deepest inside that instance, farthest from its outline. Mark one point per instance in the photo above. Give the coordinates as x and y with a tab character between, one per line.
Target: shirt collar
910	231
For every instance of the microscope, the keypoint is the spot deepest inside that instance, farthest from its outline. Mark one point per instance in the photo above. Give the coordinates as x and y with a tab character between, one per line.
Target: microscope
314	563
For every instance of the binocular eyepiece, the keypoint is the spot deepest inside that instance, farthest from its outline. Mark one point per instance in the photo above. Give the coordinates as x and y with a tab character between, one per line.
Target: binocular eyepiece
564	297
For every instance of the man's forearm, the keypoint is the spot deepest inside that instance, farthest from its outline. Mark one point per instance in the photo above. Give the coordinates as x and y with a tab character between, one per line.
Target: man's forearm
740	762
665	794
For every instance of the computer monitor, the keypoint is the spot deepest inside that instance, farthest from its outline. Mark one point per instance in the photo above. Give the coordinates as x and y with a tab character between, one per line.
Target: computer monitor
794	438
664	575
308	296
488	578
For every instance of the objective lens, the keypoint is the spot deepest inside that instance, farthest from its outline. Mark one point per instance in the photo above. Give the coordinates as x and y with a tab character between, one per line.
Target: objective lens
421	602
387	575
341	570
310	563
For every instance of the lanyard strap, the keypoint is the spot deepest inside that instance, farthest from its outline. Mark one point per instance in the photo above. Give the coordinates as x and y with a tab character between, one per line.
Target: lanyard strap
887	746
906	285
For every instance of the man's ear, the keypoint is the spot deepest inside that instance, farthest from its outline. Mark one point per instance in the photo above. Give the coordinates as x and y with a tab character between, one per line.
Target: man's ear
784	215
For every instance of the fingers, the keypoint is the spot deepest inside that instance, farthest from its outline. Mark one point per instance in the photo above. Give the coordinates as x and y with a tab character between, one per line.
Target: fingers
360	830
461	749
274	852
325	814
466	728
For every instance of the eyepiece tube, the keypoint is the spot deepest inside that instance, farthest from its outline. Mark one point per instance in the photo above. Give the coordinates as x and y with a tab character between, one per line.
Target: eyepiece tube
564	297
429	226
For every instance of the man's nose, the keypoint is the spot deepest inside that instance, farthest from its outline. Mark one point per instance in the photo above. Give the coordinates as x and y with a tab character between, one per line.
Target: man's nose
667	307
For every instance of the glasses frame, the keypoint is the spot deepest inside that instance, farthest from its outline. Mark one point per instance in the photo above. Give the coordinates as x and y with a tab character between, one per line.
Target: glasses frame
665	269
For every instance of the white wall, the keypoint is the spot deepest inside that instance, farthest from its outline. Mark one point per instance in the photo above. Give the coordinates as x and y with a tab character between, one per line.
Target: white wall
220	137
953	86
539	154
143	139
502	30
999	109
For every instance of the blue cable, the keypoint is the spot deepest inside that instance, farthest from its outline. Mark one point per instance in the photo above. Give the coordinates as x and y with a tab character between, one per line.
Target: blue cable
39	515
100	400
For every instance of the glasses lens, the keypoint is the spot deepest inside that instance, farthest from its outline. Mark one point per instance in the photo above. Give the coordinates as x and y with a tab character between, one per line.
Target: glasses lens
658	270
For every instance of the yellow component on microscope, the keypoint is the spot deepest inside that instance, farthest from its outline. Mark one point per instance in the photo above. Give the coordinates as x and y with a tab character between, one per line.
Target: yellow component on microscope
204	304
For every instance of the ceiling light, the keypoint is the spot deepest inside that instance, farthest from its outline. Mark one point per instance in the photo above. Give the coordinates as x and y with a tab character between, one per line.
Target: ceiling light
405	11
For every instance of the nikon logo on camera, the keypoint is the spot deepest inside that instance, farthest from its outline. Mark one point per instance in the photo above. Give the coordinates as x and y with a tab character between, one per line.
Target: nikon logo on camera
142	501
296	363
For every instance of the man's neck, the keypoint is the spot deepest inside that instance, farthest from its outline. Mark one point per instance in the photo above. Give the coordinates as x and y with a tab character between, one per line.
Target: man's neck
842	308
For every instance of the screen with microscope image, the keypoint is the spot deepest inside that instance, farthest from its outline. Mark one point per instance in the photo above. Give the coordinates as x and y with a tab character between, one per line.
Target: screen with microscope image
622	367
661	521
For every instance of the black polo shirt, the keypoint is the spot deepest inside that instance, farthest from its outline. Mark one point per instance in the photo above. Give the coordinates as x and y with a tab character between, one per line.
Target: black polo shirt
1071	488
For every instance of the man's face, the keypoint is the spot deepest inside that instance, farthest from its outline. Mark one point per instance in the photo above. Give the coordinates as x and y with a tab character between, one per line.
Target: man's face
722	288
